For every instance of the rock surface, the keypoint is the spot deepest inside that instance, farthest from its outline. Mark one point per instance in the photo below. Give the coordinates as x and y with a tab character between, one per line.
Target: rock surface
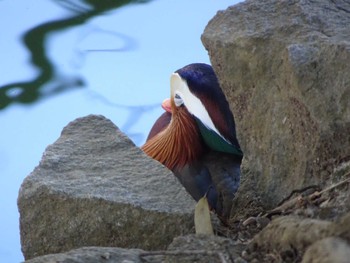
94	187
328	250
92	255
189	248
204	248
284	67
290	233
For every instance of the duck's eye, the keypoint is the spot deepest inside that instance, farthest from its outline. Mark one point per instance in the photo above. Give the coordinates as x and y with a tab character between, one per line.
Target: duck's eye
178	100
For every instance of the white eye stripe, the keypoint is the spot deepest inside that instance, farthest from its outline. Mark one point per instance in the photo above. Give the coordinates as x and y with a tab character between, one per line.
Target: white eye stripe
194	105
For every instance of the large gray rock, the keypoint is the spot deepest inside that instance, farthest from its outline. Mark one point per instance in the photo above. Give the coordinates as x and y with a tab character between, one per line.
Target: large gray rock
328	250
93	187
92	255
284	67
189	248
322	241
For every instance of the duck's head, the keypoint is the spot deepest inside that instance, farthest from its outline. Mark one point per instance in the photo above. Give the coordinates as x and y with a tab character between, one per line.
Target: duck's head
200	119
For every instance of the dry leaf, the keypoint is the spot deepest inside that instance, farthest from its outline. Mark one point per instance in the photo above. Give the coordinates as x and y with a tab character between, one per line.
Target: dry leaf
202	221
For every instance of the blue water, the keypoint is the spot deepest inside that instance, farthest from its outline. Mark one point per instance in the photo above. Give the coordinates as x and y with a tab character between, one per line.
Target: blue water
116	64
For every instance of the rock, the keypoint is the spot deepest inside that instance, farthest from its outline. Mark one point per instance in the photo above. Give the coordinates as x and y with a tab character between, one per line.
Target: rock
189	248
328	250
93	187
284	67
290	235
203	248
291	232
341	227
92	255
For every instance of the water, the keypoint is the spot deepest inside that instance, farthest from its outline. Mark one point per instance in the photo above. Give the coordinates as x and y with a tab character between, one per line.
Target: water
103	60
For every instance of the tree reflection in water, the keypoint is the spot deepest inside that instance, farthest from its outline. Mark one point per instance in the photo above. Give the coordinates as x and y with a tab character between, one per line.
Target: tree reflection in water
48	81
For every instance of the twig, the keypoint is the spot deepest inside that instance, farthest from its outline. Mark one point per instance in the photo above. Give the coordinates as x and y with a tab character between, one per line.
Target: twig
333	186
284	207
249	221
298	191
287	205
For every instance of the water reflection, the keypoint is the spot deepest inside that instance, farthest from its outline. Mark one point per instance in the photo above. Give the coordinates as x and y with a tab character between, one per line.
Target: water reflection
48	81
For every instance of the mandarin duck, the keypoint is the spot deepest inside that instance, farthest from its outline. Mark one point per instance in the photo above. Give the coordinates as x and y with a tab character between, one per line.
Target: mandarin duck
196	138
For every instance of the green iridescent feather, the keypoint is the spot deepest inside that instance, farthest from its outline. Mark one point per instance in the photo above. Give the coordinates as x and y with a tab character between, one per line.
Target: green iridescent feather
215	142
